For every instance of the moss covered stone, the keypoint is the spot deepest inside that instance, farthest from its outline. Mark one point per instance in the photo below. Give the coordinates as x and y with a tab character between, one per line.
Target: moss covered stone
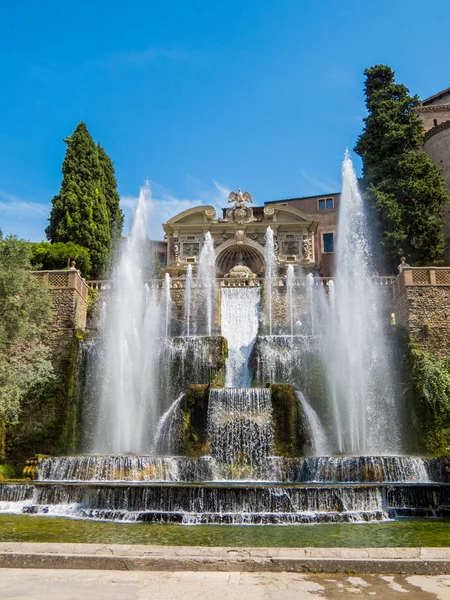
195	409
50	414
430	379
291	426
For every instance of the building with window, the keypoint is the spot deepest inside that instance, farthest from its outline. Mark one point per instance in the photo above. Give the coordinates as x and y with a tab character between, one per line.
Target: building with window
324	211
304	232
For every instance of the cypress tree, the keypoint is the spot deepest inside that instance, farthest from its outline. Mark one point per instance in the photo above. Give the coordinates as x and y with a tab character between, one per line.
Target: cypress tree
109	186
79	212
402	185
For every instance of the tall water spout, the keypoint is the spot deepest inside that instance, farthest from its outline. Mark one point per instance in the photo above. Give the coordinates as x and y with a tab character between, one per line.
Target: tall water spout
167	302
270	277
310	293
206	279
357	362
290	298
127	396
187	299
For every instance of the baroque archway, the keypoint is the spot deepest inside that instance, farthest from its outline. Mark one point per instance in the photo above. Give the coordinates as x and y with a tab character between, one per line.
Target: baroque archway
240	254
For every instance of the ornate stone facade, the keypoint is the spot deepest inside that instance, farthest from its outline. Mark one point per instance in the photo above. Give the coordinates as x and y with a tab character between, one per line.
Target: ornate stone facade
239	236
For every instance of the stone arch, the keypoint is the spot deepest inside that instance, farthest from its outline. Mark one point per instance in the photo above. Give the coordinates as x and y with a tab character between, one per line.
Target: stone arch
230	253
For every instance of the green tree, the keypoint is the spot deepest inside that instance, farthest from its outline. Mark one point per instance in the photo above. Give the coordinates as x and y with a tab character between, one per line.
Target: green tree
56	256
401	184
109	186
80	212
25	310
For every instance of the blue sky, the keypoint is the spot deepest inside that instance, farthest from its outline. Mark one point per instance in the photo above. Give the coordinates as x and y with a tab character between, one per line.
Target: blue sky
200	97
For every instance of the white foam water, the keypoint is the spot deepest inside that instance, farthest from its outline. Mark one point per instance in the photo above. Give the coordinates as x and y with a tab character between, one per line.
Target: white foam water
239	322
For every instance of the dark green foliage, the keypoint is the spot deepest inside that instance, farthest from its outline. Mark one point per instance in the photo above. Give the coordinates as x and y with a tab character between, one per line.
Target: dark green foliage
404	189
56	256
430	377
109	186
81	212
290	424
195	409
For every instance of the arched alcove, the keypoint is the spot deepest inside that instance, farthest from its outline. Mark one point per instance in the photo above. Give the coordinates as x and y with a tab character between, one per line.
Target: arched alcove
240	254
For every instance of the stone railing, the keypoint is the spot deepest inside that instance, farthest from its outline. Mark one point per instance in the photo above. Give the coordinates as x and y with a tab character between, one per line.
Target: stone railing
64	280
99	284
301	282
421	276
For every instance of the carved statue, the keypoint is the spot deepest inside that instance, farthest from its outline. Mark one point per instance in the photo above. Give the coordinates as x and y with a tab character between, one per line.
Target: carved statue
240	272
176	252
305	248
240	198
403	264
239	213
276	249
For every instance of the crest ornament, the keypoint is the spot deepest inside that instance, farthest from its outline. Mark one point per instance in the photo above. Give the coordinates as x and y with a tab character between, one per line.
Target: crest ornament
240	213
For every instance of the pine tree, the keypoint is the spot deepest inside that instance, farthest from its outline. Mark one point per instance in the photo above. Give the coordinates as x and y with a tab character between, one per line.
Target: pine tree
404	188
80	211
109	186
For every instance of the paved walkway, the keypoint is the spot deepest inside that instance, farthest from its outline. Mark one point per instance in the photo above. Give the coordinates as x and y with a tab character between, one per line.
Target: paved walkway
403	561
47	584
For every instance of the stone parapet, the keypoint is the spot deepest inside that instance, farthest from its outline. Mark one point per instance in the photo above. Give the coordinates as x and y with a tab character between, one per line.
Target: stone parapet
421	304
69	293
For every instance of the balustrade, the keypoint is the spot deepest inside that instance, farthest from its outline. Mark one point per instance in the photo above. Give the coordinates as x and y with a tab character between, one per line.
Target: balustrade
300	282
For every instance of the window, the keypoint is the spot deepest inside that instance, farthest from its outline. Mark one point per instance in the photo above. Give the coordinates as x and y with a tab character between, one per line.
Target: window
326	203
435	122
328	242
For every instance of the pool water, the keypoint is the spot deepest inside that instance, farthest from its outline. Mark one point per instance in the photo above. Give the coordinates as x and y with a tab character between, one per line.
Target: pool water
400	533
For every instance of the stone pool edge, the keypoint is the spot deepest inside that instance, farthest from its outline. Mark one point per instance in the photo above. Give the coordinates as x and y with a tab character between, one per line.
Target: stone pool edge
421	561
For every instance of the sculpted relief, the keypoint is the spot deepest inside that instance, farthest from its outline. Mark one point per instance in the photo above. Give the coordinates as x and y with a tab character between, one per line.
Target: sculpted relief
239	213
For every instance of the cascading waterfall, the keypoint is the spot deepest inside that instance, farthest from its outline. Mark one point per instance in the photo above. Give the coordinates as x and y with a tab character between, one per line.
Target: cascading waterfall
370	469
166	436
318	435
206	282
270	277
239	323
145	372
187	299
240	425
131	326
356	358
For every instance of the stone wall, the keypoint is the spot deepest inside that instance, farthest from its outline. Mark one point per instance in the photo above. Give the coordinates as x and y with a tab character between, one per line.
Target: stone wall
433	115
48	421
423	309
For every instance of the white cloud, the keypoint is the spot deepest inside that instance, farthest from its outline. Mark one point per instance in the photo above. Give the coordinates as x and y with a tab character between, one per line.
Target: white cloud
13	206
165	205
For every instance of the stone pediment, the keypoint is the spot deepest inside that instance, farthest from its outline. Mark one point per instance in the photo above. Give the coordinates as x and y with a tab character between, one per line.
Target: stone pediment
286	214
192	216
